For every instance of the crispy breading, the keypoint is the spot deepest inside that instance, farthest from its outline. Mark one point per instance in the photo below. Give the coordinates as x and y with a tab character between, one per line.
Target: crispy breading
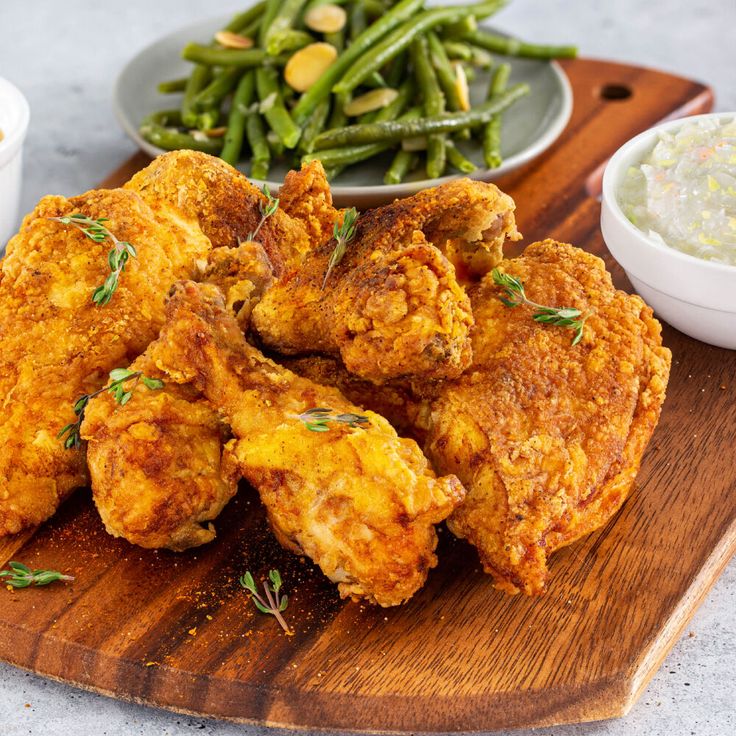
305	196
57	345
546	436
155	463
360	501
227	206
393	306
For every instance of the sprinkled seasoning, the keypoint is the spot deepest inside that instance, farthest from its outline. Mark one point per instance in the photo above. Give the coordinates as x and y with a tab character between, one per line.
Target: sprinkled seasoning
683	193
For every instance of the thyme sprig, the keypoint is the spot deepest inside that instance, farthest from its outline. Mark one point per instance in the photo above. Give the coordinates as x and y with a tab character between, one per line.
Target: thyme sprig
267	209
317	419
121	251
274	602
119	377
568	317
342	235
21	576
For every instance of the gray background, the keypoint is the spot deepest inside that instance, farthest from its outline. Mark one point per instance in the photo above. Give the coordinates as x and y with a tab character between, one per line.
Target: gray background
65	56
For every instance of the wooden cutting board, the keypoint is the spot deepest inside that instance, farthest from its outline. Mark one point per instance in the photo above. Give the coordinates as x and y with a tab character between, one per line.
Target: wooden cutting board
176	630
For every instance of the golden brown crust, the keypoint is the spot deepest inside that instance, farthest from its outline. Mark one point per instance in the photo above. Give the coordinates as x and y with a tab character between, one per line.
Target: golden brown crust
393	307
155	464
546	436
57	345
361	502
226	205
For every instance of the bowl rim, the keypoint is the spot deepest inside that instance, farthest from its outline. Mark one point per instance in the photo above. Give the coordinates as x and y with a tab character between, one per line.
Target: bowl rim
609	191
14	137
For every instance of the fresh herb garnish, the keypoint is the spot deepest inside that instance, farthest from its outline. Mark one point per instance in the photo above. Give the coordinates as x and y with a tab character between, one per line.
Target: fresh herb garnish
117	258
118	378
568	317
21	576
342	234
316	419
273	603
267	209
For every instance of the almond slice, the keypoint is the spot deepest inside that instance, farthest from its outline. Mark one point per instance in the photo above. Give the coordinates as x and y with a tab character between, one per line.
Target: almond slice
414	144
307	65
327	18
373	100
216	132
461	85
231	40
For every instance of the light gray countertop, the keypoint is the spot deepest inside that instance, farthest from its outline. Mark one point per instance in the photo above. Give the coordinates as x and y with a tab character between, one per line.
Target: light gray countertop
65	57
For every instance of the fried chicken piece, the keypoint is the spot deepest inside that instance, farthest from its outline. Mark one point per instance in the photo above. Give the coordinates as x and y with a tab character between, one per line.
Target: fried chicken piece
358	500
305	196
226	205
547	437
393	306
56	344
155	463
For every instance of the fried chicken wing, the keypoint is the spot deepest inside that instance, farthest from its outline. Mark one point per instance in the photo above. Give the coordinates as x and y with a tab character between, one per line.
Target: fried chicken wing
155	463
393	306
56	344
356	498
547	437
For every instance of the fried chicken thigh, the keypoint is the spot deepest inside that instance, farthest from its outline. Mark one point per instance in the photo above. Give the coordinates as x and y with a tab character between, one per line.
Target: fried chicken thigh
547	437
357	499
56	344
393	307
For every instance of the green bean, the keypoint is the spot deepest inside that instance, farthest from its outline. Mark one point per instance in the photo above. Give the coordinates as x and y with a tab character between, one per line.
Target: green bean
167	118
223	57
321	89
464	25
445	75
216	91
314	125
282	21
375	81
275	144
338	118
260	152
374	8
458	161
346	155
403	163
241	20
288	40
171	139
170	86
458	50
492	129
514	47
401	37
243	97
272	107
447	122
356	19
434	104
269	13
396	71
195	84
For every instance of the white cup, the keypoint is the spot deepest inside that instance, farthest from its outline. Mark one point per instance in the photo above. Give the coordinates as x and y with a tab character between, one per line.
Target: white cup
14	117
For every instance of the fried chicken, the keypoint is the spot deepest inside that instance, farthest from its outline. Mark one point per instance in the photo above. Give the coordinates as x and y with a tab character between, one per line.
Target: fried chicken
56	344
393	307
356	498
155	462
547	437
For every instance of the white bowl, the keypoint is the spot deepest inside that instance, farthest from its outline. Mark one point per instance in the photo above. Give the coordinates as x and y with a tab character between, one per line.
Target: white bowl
14	117
697	297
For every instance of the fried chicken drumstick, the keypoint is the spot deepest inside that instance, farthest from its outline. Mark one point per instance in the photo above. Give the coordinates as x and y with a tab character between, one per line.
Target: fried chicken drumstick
393	306
356	498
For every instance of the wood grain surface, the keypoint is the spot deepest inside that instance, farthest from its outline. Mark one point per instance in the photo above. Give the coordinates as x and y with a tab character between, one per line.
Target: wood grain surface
177	631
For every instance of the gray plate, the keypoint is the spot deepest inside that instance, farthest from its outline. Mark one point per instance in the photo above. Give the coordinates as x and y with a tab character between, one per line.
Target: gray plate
529	127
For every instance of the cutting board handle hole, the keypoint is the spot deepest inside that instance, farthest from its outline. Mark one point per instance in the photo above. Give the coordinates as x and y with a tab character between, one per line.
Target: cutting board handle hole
615	92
